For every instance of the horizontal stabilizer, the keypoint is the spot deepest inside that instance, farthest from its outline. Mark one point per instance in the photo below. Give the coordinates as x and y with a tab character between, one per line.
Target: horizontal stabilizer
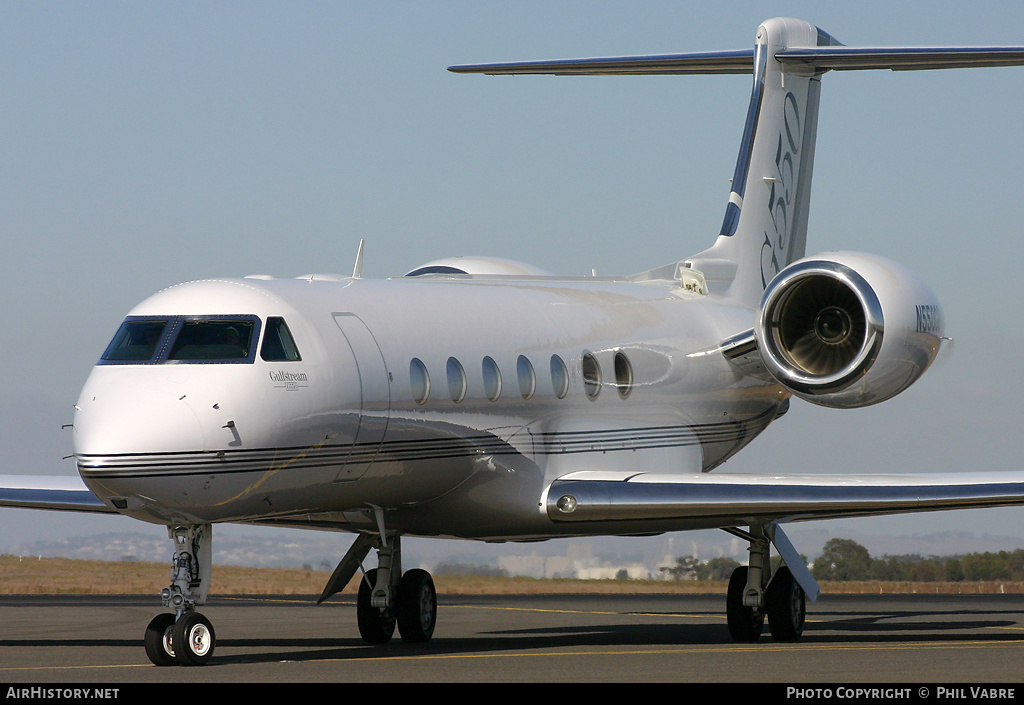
710	62
66	494
723	499
818	59
842	58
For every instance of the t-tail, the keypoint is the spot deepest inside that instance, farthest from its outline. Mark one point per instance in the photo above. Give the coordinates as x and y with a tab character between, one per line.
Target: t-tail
765	224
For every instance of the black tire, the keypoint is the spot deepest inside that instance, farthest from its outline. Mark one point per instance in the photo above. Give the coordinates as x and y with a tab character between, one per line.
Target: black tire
786	605
159	640
193	640
376	625
417	606
745	623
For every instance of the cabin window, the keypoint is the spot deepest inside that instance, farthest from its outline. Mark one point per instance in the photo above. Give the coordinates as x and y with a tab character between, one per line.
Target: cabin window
492	379
278	344
591	376
136	340
623	374
559	377
527	377
420	381
213	340
456	380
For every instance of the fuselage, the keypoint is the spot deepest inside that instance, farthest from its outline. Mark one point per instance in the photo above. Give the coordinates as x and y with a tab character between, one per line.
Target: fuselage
449	402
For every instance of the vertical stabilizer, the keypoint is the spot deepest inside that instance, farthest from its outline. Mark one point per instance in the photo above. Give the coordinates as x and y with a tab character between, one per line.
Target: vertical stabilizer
765	225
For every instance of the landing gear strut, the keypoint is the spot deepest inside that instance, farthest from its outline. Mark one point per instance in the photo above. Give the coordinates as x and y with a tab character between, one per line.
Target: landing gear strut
755	593
185	638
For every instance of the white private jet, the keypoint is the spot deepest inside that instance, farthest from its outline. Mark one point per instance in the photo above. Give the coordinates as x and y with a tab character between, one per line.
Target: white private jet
485	399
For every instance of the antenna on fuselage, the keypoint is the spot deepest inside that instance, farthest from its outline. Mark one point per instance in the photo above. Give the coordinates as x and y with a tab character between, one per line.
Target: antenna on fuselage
357	270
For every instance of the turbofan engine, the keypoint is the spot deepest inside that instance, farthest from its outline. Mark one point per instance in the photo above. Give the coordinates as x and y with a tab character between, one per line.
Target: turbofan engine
847	329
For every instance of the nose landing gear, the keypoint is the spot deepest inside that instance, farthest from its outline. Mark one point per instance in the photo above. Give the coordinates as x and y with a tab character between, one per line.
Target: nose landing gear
185	638
160	640
193	639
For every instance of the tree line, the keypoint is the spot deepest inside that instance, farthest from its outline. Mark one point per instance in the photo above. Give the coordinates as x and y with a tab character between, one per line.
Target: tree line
844	559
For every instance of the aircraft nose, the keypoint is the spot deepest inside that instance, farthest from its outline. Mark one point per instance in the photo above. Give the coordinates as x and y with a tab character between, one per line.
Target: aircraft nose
116	416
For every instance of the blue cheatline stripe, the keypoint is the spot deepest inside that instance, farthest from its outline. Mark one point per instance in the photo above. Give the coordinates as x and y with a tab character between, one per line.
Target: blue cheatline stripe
739	177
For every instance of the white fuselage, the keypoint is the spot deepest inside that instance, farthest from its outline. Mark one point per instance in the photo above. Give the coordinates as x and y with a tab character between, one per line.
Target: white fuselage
322	440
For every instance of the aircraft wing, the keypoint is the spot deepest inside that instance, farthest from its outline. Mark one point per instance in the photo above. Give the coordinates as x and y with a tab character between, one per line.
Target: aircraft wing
737	499
66	494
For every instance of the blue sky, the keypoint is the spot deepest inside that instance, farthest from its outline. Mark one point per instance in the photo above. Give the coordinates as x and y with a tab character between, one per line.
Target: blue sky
144	144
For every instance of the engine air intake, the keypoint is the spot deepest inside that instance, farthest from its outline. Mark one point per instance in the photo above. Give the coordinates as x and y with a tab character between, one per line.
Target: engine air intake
820	325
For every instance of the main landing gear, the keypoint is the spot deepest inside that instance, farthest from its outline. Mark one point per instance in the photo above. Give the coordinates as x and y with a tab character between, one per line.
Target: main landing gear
413	607
387	598
186	637
754	593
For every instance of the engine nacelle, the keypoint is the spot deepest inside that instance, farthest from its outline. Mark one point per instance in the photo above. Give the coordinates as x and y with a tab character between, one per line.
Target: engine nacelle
846	329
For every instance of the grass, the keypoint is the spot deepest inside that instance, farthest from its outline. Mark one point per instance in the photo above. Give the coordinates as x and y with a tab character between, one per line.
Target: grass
48	576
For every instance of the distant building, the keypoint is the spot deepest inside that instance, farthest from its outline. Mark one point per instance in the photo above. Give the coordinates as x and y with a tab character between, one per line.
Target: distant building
580	563
531	566
609	571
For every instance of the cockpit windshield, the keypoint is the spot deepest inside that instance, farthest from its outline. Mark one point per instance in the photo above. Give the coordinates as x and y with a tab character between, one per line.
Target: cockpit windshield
212	340
187	339
136	340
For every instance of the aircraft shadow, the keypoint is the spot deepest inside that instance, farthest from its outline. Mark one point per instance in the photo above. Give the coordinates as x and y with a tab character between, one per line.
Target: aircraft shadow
848	629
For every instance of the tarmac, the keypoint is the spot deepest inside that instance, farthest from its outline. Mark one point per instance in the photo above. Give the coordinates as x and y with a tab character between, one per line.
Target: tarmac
554	639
